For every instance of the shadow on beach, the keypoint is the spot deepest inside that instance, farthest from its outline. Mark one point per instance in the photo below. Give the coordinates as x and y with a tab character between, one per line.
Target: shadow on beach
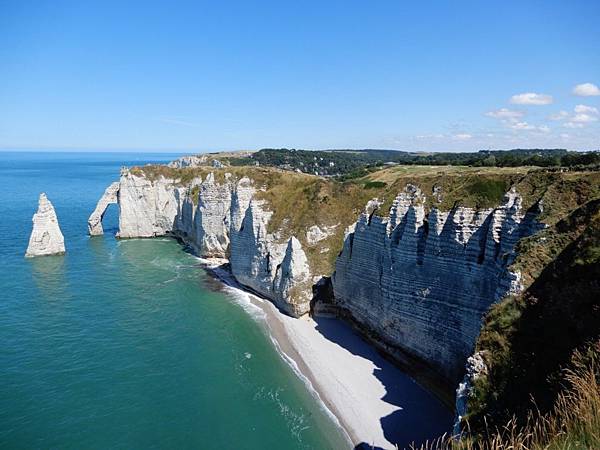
421	416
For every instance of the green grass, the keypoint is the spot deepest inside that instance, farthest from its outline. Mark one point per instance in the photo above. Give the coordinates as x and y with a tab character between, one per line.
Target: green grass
374	184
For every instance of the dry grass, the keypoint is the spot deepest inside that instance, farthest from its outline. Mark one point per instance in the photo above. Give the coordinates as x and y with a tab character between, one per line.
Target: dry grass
573	423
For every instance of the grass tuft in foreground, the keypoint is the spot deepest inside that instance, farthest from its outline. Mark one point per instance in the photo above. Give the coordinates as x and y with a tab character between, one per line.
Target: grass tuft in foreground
572	424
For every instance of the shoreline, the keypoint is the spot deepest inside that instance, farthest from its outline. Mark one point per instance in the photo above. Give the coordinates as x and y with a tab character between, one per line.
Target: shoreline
368	397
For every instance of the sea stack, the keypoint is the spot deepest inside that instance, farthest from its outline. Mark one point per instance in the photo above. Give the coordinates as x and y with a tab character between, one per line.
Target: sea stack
46	237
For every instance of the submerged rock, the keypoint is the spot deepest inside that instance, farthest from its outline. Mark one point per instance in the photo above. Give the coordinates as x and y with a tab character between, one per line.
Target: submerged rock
46	237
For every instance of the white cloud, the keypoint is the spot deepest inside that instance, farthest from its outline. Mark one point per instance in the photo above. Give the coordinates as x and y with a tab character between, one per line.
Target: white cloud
524	126
564	136
583	109
462	137
505	113
586	90
531	98
583	118
561	115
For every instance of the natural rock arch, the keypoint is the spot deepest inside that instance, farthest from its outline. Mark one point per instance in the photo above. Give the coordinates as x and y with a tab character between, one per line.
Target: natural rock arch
110	196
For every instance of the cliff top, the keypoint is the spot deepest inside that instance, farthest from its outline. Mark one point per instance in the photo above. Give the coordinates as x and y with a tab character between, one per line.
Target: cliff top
300	201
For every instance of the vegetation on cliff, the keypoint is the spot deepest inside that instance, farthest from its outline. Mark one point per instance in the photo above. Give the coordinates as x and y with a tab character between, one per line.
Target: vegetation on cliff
527	340
572	422
348	164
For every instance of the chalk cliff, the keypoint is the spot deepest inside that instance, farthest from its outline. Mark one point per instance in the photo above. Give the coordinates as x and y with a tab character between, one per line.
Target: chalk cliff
415	276
417	281
421	281
46	237
217	219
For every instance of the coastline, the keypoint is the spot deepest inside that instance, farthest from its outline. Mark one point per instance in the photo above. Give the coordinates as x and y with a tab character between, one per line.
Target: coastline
365	394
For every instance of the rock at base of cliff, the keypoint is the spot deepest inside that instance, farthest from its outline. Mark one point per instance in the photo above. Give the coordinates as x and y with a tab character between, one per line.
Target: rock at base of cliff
46	237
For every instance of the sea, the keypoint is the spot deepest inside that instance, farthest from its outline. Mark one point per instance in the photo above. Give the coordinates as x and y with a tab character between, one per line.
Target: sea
129	344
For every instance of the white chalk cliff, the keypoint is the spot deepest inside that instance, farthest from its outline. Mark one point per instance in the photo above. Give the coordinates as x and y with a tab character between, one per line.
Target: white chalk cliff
222	220
418	281
46	237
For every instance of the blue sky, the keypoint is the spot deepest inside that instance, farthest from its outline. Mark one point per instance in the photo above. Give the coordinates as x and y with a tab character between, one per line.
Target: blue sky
182	76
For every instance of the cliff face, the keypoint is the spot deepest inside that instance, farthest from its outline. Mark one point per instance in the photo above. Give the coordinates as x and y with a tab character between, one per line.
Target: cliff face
46	237
223	220
421	282
146	208
418	281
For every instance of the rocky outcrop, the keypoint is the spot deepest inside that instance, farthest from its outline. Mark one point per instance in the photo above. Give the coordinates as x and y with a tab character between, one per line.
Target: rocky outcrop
188	161
46	237
109	197
475	368
316	234
421	281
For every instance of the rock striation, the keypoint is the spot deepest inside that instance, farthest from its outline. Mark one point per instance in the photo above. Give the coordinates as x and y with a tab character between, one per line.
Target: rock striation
147	208
109	197
46	237
421	281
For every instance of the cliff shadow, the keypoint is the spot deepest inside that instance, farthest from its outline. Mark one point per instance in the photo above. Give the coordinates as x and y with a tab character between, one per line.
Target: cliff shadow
557	314
420	415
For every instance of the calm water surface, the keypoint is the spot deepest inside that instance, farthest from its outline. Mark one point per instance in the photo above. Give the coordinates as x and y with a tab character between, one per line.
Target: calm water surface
128	344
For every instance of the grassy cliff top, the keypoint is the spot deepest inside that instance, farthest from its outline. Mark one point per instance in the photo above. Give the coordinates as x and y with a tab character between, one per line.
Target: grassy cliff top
299	201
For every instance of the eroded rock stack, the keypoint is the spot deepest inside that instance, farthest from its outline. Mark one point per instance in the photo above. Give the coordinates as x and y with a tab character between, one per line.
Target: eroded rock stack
46	237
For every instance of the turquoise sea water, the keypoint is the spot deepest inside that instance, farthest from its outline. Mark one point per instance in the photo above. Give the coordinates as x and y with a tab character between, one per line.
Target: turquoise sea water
129	344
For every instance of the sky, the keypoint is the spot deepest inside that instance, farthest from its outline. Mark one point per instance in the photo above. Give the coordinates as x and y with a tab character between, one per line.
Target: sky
207	76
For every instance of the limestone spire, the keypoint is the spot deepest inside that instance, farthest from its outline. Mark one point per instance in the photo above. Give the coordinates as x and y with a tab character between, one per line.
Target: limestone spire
46	237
